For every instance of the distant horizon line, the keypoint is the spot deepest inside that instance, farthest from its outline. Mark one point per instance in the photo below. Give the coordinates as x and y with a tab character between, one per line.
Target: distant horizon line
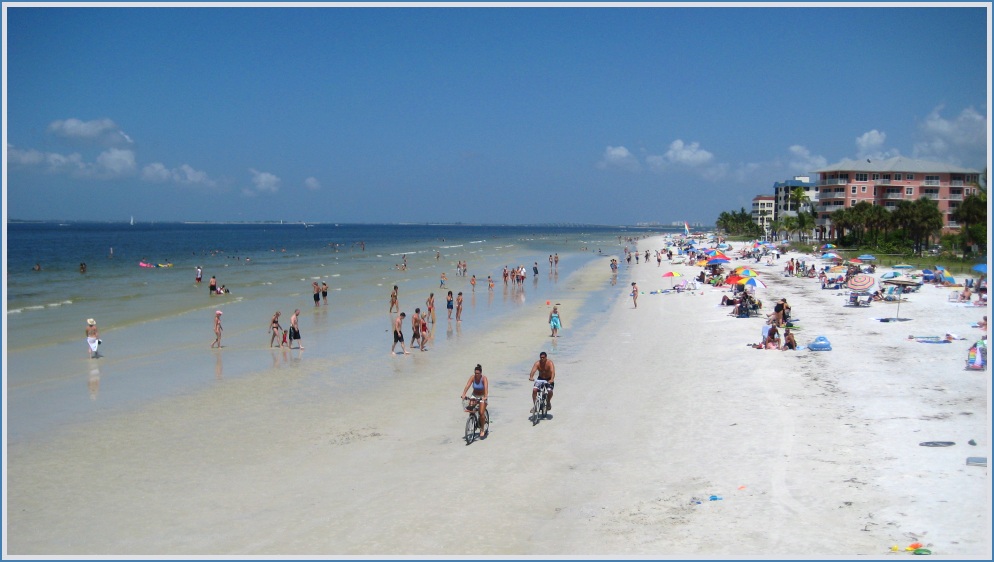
641	225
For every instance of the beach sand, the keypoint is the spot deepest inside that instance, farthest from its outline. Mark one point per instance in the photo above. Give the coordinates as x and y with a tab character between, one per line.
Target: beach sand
813	454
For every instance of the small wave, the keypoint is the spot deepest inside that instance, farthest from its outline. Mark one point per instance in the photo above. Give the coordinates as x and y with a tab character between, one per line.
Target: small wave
403	253
14	311
335	275
456	246
34	307
477	241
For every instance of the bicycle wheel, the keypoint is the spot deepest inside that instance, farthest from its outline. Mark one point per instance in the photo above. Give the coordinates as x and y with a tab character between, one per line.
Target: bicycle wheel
470	428
545	403
486	423
538	408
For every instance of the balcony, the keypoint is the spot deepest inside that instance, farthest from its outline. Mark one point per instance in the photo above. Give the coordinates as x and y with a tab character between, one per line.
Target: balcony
955	197
894	195
929	195
931	183
957	183
834	181
881	182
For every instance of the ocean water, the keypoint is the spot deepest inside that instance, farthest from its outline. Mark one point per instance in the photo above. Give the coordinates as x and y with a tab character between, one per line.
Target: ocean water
156	323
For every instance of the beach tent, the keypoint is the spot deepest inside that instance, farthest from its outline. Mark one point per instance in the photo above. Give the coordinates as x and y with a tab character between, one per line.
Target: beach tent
867	257
981	267
891	275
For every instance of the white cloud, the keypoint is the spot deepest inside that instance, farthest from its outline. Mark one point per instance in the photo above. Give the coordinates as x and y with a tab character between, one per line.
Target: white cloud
183	175
312	183
960	140
688	154
115	162
265	182
99	130
870	145
618	157
801	161
17	156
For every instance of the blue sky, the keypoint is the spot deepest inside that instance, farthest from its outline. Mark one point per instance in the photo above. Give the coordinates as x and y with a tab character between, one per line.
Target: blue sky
503	115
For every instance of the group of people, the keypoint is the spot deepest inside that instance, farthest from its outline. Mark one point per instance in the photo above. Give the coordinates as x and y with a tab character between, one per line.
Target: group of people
421	321
320	291
285	337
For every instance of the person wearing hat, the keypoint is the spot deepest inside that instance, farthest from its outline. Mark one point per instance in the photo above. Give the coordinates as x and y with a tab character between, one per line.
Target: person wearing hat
217	330
92	338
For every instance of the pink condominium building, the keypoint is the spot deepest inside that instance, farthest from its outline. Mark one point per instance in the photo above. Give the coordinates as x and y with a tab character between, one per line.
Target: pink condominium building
887	183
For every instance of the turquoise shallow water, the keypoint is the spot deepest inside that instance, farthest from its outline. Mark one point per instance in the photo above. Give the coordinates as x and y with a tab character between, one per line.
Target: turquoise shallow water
156	323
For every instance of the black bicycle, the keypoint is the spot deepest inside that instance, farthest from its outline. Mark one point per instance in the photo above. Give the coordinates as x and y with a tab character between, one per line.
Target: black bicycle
473	423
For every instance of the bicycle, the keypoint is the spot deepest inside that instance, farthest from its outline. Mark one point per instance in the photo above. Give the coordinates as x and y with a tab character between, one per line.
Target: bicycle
542	402
472	405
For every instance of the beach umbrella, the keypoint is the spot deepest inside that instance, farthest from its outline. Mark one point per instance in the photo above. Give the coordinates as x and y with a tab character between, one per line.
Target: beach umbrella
723	246
828	246
672	274
855	260
837	269
717	261
981	267
830	256
752	281
733	278
903	266
867	257
860	282
891	275
947	277
901	283
746	272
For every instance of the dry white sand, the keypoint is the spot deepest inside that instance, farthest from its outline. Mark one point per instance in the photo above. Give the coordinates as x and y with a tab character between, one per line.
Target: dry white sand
814	454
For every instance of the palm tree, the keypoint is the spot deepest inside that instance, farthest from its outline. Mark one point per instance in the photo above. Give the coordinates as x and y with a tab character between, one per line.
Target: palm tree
972	217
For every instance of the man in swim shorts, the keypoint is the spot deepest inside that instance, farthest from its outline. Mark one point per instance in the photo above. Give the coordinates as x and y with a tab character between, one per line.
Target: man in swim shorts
398	334
546	375
317	293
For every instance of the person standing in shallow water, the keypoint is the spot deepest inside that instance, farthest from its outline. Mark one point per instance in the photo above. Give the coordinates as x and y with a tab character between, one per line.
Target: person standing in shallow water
324	292
635	294
212	285
217	330
295	329
393	300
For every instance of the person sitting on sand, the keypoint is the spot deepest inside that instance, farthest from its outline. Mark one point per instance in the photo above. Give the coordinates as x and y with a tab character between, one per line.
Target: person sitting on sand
773	338
982	324
965	295
727	301
788	341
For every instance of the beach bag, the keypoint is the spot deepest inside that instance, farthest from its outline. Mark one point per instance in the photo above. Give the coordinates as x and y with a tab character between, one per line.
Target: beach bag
821	343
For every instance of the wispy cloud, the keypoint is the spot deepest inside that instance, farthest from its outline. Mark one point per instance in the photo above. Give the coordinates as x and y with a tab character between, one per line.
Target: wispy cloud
312	183
961	140
103	131
618	157
110	164
183	175
801	161
263	182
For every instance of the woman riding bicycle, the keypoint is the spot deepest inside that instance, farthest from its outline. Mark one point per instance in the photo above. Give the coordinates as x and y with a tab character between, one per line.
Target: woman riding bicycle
481	390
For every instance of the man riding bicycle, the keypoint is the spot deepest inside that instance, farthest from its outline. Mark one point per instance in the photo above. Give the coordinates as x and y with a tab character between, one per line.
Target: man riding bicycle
546	376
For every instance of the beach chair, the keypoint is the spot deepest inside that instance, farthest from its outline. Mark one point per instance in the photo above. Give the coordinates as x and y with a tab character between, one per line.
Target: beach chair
681	286
954	296
968	283
854	299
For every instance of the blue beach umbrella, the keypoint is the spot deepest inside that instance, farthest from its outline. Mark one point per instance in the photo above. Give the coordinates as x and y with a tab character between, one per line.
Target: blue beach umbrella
891	275
981	267
867	257
828	246
903	266
830	256
717	261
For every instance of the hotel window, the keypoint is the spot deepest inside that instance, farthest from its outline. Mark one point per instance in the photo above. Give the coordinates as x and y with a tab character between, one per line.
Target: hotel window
863	189
862	177
897	177
852	202
853	190
876	176
911	177
909	191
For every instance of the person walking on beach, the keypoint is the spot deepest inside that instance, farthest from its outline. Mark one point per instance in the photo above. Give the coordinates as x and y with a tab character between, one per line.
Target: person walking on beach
472	283
212	285
92	338
425	332
635	294
555	261
555	322
535	269
546	370
459	307
441	283
217	330
276	329
416	328
393	300
317	293
200	275
295	329
398	334
481	391
449	303
430	307
324	292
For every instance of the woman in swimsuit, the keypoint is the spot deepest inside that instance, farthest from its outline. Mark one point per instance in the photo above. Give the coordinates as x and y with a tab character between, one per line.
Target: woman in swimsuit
481	390
276	329
554	322
430	303
449	304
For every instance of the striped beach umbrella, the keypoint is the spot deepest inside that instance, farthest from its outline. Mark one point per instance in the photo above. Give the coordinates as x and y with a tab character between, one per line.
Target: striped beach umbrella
830	256
746	272
717	261
827	246
672	274
860	282
753	282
